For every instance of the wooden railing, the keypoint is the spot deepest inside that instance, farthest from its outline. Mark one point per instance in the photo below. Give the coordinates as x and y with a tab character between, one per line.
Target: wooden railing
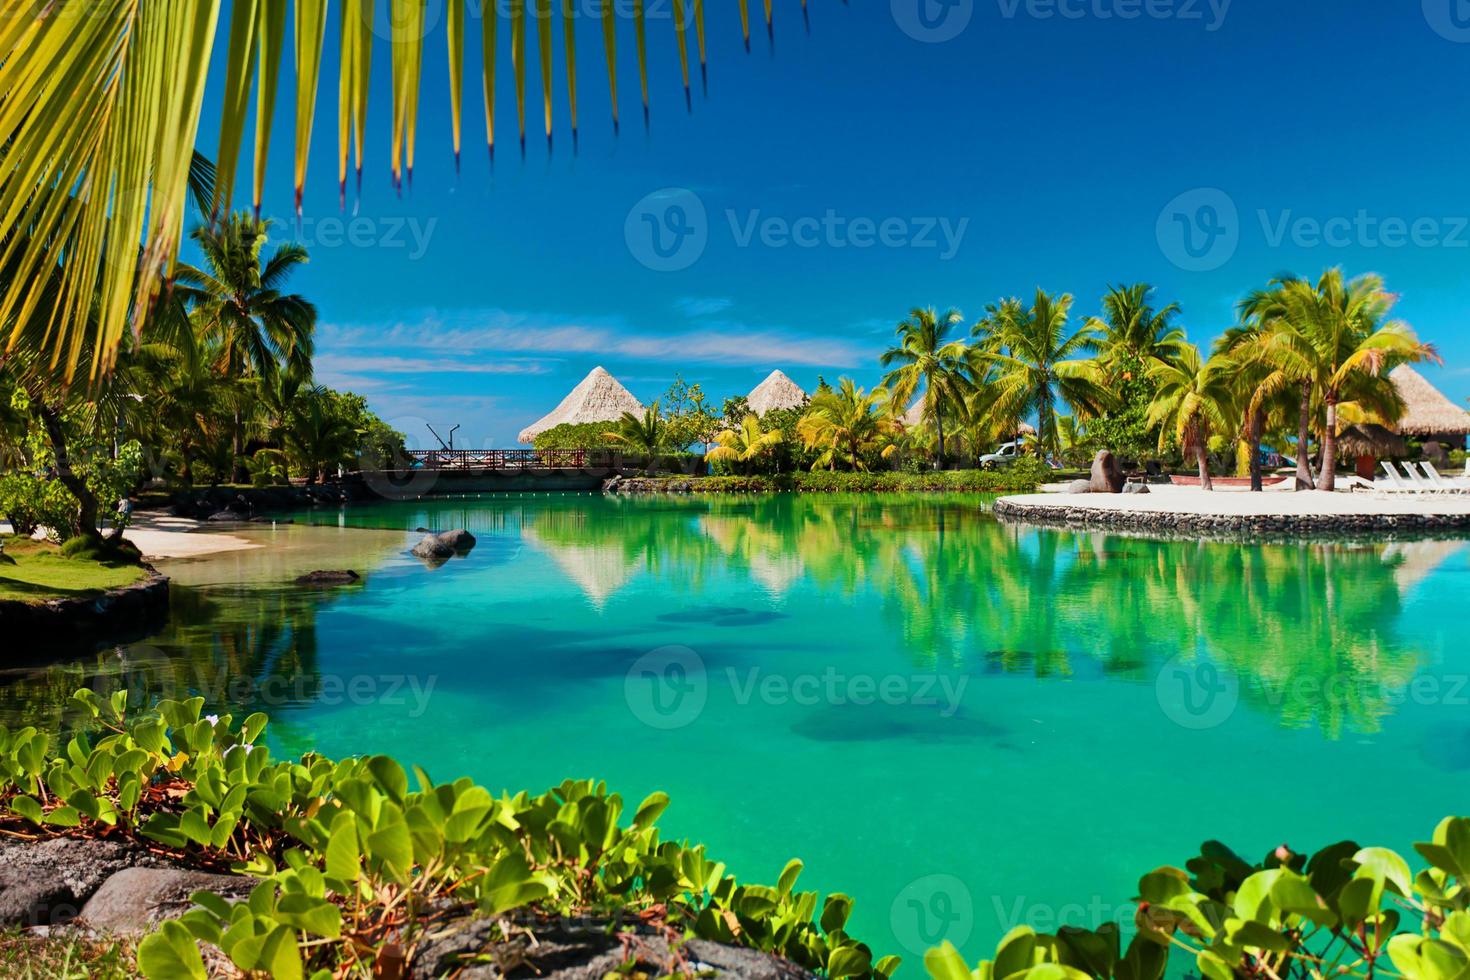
484	460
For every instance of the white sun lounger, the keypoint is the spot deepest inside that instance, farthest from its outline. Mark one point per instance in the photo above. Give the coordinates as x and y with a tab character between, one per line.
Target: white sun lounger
1396	483
1443	483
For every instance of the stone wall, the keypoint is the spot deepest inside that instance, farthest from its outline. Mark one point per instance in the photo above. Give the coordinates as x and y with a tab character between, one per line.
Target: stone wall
1227	525
119	615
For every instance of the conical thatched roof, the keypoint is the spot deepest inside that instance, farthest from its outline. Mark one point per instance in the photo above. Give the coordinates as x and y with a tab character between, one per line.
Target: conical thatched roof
599	398
1429	412
1368	439
777	391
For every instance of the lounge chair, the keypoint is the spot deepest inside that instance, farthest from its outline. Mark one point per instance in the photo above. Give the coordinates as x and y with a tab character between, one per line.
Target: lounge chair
1444	483
1397	483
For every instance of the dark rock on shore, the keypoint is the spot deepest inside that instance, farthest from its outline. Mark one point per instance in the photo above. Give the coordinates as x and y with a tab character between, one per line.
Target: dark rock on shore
584	949
1227	525
134	900
48	882
1107	475
347	577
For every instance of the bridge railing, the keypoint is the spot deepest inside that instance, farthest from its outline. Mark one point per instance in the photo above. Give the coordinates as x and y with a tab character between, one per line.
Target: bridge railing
485	460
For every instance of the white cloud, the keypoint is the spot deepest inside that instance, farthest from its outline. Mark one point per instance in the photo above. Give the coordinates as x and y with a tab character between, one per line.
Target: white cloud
703	306
503	332
389	364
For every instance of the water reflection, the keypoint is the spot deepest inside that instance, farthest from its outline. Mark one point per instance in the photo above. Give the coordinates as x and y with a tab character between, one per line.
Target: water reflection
1314	631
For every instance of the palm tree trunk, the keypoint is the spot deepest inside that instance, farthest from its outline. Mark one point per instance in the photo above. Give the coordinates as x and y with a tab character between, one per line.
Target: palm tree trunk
1202	457
1256	430
939	426
87	504
1329	446
1303	440
237	450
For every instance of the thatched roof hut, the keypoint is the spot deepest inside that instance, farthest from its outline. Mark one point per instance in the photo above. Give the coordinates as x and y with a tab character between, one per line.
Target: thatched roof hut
1429	413
776	392
1369	439
599	398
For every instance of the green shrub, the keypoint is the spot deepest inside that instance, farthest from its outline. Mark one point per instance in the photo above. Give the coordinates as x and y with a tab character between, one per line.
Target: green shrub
1345	911
352	858
1023	476
91	547
588	435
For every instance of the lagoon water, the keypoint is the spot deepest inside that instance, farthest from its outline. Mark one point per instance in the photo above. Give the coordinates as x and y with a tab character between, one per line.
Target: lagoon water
966	726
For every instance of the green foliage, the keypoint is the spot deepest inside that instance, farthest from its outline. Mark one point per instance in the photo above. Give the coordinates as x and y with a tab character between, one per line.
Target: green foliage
1345	911
688	419
106	551
1123	428
586	435
356	853
1023	476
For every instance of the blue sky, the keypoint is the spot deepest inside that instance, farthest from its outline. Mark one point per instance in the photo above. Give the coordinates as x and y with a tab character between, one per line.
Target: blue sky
831	181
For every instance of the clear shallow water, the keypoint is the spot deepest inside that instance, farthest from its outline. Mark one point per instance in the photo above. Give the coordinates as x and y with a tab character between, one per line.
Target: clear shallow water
963	725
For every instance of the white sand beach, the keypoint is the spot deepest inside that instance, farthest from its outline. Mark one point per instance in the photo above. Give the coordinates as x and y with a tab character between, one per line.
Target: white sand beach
159	536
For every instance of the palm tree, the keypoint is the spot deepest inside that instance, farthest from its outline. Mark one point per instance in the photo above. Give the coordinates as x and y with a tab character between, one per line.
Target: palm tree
926	356
745	444
1326	337
319	437
1131	329
240	311
647	435
1038	363
848	425
93	117
1194	400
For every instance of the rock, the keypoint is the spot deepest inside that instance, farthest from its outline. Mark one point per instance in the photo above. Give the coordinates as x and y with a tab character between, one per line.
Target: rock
47	883
583	949
432	550
329	578
1137	488
461	541
134	900
1079	486
224	517
1107	475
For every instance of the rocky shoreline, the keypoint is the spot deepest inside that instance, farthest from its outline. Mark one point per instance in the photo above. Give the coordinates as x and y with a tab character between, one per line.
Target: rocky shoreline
123	889
1226	525
126	613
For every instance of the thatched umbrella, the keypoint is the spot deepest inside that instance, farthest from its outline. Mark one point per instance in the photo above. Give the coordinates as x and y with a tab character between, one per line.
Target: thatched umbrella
1429	415
599	398
776	392
1367	442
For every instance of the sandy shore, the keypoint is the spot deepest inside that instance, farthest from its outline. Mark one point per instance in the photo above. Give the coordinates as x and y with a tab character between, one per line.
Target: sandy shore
1273	503
161	536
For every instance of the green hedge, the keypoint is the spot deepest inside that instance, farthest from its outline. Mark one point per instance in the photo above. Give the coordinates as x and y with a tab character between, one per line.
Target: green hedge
1025	476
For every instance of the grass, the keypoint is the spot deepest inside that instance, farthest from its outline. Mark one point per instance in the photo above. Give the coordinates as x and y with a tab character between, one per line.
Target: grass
41	573
24	956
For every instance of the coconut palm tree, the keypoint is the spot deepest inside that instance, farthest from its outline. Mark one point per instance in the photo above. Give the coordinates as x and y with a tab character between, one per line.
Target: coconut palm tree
648	435
848	425
112	101
927	357
1327	336
746	443
1131	329
253	329
1038	363
1194	400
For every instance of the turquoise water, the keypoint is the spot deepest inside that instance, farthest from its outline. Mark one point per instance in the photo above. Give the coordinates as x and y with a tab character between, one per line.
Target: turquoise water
964	725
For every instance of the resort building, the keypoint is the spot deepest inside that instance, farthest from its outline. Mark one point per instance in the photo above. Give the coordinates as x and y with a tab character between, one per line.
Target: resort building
776	392
598	398
1429	415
